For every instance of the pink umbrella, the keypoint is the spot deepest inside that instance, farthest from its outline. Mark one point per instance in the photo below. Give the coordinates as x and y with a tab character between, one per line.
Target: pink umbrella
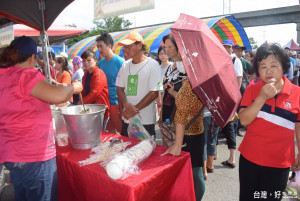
209	67
55	32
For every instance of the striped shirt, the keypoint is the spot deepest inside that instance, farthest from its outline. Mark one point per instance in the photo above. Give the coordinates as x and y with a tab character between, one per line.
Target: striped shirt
269	139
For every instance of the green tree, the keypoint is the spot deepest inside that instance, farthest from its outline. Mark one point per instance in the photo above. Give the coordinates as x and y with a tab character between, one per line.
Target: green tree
112	24
253	43
107	25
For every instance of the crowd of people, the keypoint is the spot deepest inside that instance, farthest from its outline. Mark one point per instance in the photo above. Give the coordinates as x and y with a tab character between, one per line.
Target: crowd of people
154	90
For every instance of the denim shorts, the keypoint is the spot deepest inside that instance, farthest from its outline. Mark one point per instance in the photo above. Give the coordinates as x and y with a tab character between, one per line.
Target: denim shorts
35	180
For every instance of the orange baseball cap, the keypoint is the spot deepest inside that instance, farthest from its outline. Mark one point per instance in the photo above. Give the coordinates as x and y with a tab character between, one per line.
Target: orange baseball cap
131	38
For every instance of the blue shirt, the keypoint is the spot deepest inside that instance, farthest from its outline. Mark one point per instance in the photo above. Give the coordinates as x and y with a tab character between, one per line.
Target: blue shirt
111	69
289	74
78	75
293	61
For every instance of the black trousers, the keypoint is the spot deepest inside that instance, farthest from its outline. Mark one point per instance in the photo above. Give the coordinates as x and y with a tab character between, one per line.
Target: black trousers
194	145
150	128
229	133
260	182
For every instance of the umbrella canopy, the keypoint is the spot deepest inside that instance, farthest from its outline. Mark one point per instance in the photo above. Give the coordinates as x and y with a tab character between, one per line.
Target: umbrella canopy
225	27
55	32
209	67
292	45
37	14
29	12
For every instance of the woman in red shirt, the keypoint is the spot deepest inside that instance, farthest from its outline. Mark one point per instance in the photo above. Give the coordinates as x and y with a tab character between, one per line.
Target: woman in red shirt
270	109
95	89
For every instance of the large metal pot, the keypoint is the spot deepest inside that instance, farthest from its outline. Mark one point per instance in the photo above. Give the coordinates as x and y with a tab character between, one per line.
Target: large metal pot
84	129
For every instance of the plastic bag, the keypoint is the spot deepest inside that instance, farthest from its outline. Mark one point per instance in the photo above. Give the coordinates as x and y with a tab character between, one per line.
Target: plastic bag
126	163
2	178
292	191
168	133
104	152
136	129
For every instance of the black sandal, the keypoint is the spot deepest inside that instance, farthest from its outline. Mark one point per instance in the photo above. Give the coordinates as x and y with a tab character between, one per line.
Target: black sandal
226	163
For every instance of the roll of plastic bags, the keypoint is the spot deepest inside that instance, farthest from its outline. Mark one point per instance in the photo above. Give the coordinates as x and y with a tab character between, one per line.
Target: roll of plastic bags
126	163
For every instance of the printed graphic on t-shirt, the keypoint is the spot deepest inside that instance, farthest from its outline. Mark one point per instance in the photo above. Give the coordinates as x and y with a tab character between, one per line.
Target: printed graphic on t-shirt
287	104
132	85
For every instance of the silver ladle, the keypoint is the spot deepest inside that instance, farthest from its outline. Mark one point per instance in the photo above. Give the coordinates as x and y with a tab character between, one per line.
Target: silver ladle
84	111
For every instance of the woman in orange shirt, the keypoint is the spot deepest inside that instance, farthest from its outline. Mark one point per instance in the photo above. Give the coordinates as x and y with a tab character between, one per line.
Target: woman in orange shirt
63	77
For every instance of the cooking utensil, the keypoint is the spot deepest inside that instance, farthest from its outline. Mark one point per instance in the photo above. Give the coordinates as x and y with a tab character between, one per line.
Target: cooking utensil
112	142
84	111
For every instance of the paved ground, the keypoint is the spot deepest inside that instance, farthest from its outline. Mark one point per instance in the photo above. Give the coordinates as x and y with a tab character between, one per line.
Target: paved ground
222	185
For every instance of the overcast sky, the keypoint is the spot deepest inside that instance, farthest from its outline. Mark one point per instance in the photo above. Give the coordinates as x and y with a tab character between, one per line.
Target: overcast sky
80	13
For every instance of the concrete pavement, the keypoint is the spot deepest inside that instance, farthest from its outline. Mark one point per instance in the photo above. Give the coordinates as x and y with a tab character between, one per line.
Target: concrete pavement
223	184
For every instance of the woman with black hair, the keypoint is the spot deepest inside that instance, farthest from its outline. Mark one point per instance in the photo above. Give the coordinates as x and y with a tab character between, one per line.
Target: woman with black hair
27	145
270	109
63	77
95	88
163	60
173	77
188	117
164	64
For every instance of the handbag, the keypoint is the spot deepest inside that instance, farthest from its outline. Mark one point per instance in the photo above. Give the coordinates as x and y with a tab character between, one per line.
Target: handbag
168	131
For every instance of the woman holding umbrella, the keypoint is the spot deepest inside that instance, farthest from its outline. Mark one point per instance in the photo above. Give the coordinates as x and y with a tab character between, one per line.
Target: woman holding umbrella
188	121
27	146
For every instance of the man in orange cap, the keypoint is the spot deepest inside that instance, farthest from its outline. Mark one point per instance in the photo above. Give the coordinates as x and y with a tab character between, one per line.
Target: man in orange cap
138	84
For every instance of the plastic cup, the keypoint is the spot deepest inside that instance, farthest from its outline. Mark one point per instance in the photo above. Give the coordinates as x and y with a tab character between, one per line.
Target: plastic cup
62	140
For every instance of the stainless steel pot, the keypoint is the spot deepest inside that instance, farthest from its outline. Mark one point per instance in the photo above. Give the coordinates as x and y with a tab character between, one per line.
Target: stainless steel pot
84	129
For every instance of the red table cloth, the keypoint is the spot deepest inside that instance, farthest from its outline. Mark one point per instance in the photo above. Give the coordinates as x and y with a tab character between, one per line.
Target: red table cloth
162	178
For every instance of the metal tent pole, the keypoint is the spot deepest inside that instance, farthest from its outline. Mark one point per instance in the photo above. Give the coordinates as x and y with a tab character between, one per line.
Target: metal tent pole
43	38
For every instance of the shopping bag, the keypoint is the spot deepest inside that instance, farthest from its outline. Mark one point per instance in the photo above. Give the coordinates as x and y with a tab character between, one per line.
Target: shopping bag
137	130
167	133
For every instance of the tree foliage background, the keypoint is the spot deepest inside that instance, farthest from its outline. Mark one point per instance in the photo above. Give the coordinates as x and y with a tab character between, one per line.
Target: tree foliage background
253	43
107	25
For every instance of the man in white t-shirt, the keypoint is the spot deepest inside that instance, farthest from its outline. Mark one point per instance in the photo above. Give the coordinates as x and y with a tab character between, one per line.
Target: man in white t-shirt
138	84
238	67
